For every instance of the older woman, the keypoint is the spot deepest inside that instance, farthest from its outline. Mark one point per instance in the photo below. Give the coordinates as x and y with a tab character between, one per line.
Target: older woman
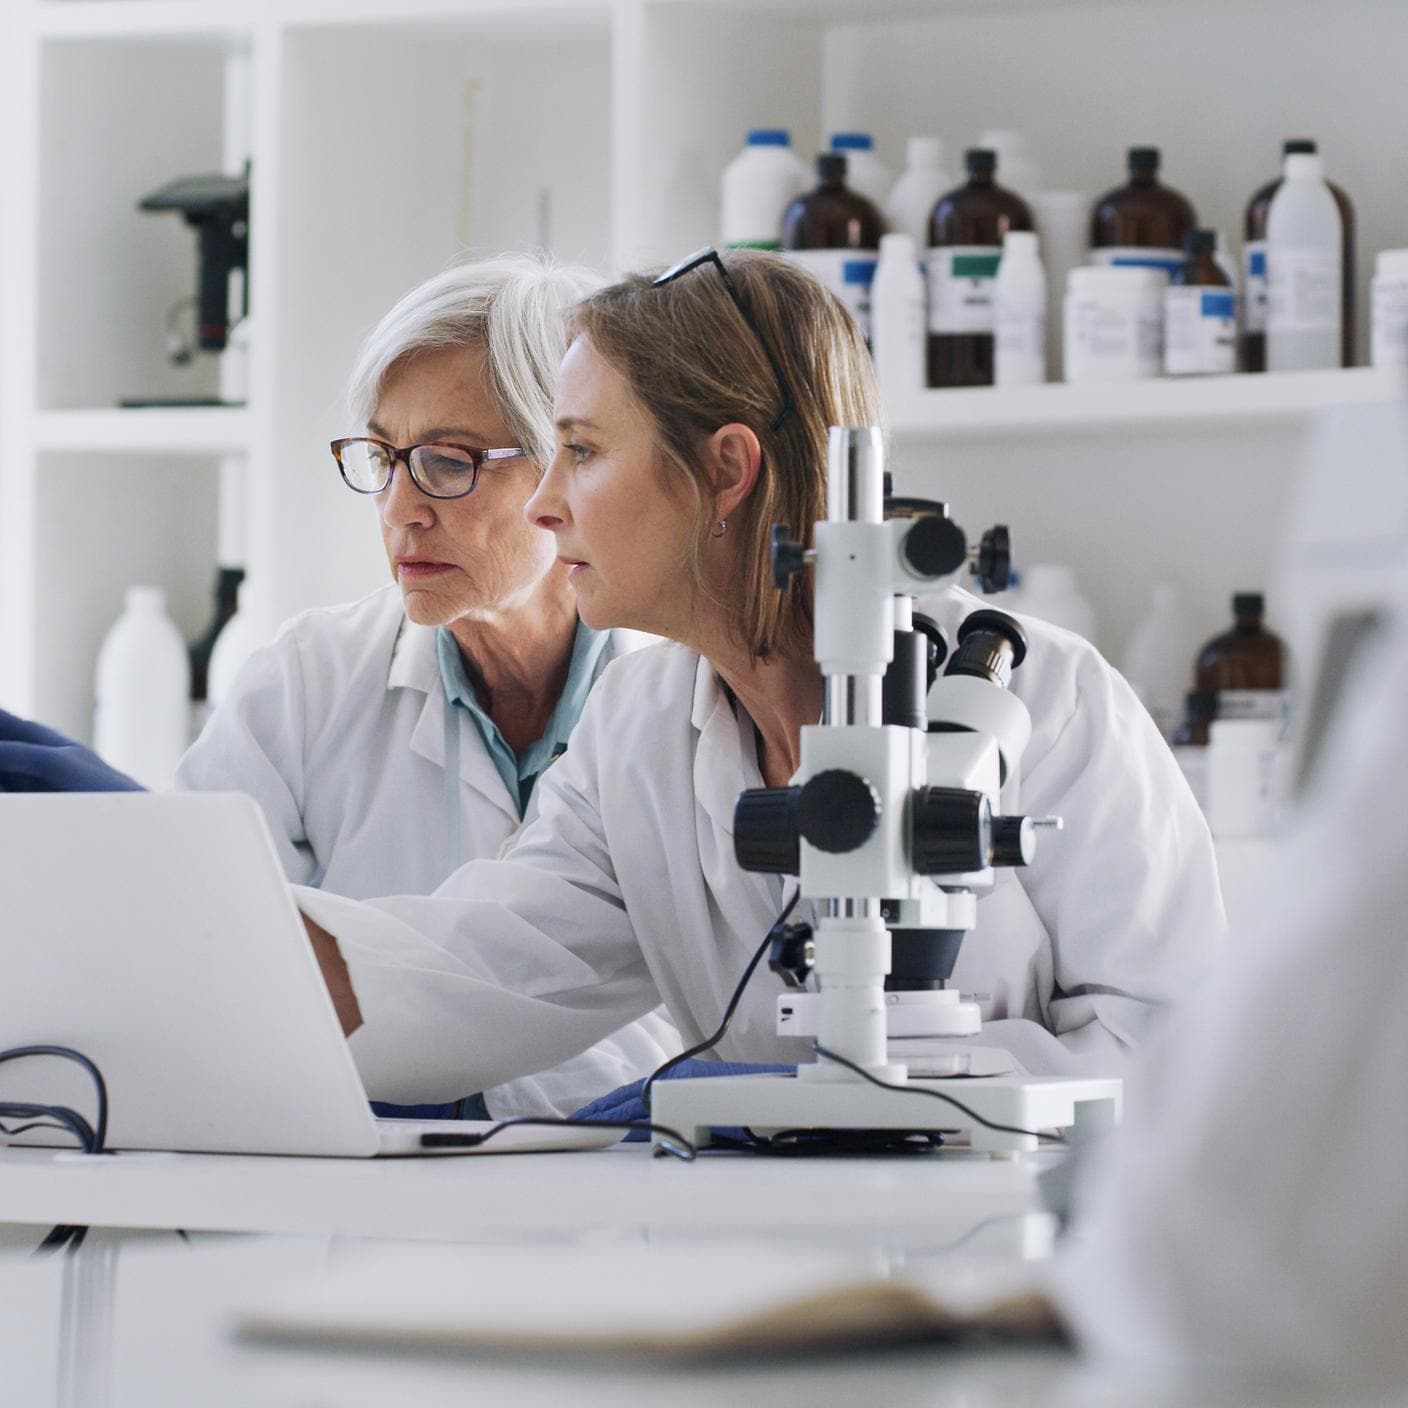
389	740
692	415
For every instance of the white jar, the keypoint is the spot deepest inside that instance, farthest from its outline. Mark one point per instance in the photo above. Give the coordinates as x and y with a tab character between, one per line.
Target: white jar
866	174
898	339
1114	319
143	683
1388	302
912	198
1243	776
758	186
1019	313
1063	217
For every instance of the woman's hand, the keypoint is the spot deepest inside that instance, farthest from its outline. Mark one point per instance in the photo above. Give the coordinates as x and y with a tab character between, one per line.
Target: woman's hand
335	975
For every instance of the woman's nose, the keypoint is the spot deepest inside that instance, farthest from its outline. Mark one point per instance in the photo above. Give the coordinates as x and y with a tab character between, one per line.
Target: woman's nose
544	508
401	503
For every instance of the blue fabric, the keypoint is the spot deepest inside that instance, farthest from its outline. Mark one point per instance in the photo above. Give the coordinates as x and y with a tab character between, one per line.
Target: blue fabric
472	1107
625	1103
38	759
591	653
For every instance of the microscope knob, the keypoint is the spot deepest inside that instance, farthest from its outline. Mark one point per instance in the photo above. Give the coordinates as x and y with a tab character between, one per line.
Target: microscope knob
787	557
935	546
1013	840
994	566
950	831
838	811
765	836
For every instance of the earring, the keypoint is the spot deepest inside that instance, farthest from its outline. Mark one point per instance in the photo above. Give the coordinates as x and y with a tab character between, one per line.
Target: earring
721	530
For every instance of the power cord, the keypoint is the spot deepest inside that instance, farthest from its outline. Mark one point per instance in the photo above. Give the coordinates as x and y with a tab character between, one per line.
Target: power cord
92	1138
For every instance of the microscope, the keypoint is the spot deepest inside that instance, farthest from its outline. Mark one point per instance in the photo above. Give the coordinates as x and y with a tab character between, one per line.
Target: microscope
893	826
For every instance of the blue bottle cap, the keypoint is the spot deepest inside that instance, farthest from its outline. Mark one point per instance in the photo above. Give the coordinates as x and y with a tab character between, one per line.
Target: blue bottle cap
851	142
769	137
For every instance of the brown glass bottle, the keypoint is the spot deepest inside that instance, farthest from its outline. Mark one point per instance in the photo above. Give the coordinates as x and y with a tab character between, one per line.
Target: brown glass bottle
1254	267
1245	667
835	232
1143	221
968	222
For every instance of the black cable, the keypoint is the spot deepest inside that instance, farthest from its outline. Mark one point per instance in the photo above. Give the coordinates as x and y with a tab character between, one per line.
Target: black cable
100	1124
937	1095
710	1042
672	1141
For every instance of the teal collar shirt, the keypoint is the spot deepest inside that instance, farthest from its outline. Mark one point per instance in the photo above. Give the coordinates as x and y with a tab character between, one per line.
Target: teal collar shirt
591	653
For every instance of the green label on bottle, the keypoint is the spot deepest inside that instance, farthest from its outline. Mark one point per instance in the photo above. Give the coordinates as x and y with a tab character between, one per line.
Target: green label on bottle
755	244
975	266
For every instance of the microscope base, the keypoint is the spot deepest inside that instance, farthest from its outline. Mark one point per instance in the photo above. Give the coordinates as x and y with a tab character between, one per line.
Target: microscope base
767	1103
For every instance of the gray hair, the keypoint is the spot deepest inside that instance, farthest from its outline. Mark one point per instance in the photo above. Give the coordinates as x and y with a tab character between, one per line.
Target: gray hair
514	307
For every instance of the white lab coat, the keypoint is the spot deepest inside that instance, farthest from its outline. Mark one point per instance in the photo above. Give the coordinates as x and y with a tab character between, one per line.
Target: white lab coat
336	729
622	890
1252	1214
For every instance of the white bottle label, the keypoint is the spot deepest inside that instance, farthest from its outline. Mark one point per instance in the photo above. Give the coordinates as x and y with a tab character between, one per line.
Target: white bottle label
1389	320
1019	347
1200	330
848	273
1251	704
1304	289
961	280
1168	261
1254	287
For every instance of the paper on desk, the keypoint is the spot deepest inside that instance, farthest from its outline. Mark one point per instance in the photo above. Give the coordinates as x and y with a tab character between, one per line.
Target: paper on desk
665	1301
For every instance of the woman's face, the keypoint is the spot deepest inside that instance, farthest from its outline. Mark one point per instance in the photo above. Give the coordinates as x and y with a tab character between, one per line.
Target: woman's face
456	557
622	532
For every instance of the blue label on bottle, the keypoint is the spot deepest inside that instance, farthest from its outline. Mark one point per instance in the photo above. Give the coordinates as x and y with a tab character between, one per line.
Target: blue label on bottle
1219	303
1256	263
1164	264
858	271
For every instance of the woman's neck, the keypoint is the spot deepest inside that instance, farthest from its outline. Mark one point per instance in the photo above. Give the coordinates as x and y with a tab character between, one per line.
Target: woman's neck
780	696
517	657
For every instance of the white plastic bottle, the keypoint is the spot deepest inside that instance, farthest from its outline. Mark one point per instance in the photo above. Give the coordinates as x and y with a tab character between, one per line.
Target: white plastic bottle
1388	319
1155	660
898	338
1304	240
1019	313
1049	590
758	186
233	646
912	198
143	684
1019	172
866	174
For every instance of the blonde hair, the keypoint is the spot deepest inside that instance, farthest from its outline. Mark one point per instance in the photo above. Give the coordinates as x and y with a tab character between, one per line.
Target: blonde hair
694	364
514	307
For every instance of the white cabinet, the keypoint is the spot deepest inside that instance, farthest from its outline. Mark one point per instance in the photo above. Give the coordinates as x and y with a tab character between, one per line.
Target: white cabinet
391	136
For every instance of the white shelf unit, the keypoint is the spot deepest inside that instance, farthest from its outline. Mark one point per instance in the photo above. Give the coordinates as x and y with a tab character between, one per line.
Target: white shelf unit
392	136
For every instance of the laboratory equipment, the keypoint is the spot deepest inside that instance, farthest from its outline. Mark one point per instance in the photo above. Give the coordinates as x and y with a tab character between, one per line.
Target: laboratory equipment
1019	313
897	317
1388	319
1143	222
1304	270
892	826
1200	313
758	186
911	199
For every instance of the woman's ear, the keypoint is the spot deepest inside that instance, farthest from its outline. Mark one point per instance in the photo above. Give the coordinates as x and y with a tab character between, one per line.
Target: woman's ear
735	457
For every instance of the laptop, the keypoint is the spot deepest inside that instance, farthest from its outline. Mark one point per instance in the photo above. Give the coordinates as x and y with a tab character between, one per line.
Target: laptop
156	934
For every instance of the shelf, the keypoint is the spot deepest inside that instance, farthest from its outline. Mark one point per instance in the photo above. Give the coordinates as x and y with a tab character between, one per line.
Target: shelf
1193	404
186	430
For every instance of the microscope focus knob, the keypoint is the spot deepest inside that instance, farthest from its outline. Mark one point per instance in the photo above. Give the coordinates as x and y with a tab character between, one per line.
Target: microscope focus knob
787	557
1013	840
838	811
950	831
993	568
765	836
934	546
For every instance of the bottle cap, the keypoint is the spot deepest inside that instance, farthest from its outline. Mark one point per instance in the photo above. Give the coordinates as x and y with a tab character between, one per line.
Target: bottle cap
1143	158
145	598
1248	604
1391	264
851	142
769	137
924	152
898	244
979	159
1200	241
831	166
1019	242
1304	145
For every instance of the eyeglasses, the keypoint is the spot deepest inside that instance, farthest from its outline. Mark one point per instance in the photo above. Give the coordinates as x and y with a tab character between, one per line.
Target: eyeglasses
441	471
709	255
